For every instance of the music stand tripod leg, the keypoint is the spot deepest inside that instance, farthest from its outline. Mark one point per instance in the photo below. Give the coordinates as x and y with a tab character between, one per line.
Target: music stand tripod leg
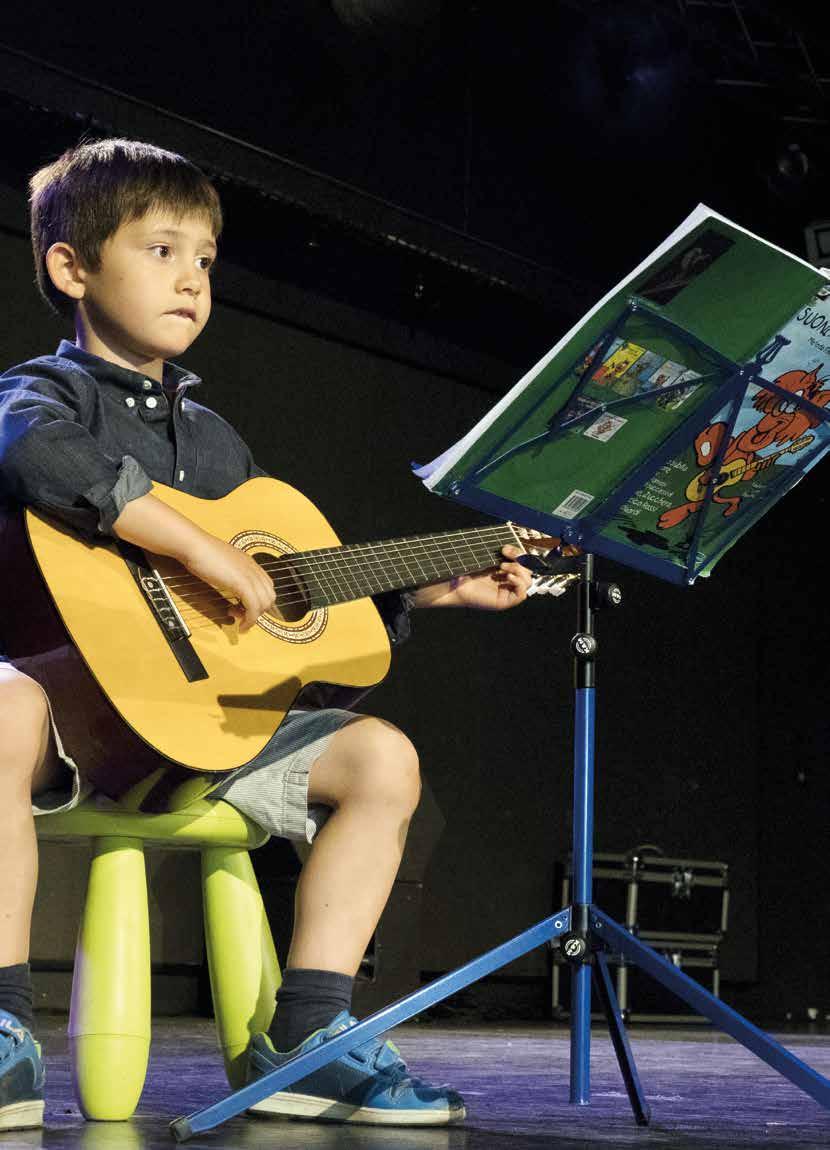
619	1038
621	941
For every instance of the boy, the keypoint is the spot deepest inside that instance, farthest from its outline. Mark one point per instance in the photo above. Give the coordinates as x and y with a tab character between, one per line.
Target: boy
124	237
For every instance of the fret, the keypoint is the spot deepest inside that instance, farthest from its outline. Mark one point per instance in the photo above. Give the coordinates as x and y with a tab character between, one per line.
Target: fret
373	575
420	576
320	573
340	577
442	567
401	564
313	585
340	574
428	552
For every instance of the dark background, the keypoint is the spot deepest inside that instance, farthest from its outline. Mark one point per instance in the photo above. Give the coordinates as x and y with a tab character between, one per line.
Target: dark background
421	198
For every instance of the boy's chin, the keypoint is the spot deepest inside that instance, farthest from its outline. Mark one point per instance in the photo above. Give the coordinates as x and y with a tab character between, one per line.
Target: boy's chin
170	348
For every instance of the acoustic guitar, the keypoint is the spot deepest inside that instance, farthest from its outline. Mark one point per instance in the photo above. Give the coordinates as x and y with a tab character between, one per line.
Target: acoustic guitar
164	649
733	471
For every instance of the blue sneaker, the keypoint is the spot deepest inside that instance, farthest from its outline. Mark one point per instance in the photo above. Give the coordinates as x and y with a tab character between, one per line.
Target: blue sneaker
370	1084
21	1076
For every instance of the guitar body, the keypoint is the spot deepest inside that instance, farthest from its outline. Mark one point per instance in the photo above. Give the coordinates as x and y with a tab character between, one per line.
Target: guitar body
221	715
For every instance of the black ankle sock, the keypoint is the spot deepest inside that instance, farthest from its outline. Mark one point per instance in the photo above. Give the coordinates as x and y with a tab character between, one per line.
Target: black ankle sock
306	1001
16	992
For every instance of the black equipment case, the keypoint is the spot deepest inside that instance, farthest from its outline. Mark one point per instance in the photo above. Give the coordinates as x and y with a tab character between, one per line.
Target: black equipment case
678	906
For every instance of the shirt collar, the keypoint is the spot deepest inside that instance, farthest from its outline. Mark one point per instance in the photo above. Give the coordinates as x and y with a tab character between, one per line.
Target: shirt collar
175	378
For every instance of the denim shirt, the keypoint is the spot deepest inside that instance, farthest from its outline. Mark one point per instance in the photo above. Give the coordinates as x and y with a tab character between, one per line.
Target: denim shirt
80	437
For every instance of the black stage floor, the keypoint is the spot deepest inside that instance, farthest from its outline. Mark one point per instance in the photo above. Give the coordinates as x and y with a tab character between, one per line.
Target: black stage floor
705	1092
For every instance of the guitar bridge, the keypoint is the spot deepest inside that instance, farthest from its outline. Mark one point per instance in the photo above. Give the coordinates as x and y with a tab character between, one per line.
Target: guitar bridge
164	611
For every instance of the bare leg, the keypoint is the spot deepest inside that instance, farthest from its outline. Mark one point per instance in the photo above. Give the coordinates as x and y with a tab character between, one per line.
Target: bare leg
369	776
28	764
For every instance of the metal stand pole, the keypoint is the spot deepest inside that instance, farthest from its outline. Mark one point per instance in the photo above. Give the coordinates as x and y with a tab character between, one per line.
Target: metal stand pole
576	945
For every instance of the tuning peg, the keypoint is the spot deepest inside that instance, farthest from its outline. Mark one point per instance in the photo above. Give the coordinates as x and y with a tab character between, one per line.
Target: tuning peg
555	585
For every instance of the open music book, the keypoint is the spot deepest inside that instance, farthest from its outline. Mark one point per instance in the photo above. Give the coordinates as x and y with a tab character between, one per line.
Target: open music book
672	415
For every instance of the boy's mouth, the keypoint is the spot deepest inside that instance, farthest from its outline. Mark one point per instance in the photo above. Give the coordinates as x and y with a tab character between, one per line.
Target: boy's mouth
187	313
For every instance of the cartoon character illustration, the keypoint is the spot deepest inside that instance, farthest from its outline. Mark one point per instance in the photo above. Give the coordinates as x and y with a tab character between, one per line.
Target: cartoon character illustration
781	422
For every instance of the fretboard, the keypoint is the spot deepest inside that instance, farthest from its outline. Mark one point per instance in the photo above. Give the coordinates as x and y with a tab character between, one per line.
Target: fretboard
340	574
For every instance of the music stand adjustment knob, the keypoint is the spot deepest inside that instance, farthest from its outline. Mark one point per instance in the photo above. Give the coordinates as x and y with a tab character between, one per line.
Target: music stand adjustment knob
584	646
608	595
574	947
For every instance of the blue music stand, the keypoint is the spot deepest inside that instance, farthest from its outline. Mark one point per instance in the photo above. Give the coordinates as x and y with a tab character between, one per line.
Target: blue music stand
685	543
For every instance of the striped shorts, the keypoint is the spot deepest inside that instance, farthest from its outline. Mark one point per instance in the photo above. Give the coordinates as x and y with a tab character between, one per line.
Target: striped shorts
272	789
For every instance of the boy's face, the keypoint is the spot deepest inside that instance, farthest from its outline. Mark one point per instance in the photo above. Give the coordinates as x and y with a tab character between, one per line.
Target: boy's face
151	296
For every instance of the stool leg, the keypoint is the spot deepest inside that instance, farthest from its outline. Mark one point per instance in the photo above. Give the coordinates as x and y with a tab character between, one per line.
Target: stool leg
244	971
109	1019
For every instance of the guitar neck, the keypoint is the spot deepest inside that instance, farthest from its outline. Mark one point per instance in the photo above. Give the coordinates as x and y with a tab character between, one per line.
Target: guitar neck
340	574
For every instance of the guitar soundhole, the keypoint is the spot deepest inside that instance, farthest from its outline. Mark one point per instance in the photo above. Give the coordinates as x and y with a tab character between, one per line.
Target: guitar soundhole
292	602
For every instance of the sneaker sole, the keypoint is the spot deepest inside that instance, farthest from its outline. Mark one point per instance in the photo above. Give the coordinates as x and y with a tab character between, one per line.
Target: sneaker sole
21	1115
291	1105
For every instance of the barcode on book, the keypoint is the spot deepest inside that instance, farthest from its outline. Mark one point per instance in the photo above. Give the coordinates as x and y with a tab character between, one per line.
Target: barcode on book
577	501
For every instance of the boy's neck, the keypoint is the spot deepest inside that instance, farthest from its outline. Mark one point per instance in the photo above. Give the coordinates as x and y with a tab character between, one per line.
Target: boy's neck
88	341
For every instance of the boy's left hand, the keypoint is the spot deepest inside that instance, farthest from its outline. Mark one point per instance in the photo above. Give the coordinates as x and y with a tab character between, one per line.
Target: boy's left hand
494	590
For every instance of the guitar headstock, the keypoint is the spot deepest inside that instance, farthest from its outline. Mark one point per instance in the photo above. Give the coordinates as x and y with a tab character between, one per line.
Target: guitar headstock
534	542
547	547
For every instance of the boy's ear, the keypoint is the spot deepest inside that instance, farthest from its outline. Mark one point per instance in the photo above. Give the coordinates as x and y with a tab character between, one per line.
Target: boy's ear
66	271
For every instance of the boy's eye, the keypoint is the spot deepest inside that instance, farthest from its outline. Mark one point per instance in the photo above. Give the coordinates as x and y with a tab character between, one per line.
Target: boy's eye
206	263
162	249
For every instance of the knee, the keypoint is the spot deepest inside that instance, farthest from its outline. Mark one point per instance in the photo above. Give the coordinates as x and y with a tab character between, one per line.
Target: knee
386	766
24	718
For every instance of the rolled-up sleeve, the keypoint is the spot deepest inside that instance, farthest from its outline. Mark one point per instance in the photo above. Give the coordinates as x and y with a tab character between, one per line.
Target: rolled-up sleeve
50	460
131	482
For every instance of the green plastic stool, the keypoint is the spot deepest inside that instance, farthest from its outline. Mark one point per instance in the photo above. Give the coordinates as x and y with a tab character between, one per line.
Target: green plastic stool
109	1019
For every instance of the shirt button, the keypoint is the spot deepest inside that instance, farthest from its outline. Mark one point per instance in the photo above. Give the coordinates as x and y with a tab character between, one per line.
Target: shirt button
148	385
150	401
181	476
130	402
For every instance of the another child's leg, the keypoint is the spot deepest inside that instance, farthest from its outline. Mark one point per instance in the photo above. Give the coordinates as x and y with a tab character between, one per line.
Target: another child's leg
28	764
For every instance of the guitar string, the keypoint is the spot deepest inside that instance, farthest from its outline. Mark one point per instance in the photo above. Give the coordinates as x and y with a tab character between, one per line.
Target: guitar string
211	594
208	619
331	561
331	575
370	576
193	613
337	580
427	545
333	591
350	573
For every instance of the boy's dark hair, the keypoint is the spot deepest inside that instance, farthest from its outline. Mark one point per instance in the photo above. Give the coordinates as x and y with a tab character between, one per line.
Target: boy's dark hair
85	196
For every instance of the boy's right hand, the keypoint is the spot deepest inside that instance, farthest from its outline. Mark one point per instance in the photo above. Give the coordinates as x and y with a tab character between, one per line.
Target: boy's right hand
152	524
234	574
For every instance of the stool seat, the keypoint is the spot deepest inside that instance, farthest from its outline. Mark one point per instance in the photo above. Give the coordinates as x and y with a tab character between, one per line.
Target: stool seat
204	822
110	1013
